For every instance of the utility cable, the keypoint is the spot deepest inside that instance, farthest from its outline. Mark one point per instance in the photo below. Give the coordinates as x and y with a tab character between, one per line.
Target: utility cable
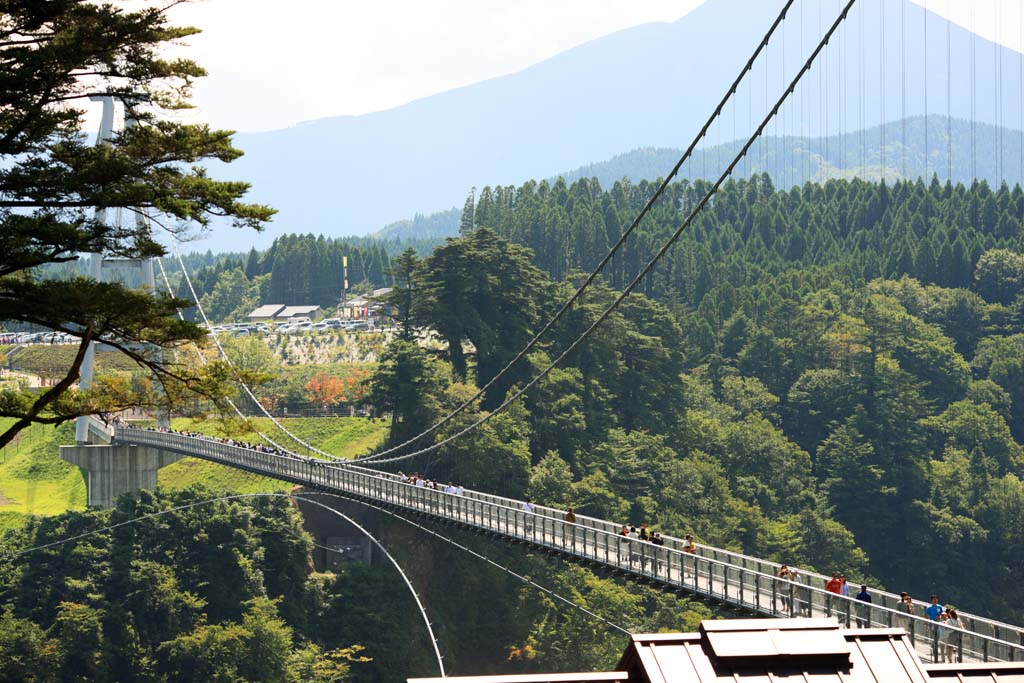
622	239
377	460
240	496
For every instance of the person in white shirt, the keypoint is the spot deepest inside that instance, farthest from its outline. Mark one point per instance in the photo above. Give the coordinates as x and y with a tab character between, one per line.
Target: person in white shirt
528	508
634	556
950	638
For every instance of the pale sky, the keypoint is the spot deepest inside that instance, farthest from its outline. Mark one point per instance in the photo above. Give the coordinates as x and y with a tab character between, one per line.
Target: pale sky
273	64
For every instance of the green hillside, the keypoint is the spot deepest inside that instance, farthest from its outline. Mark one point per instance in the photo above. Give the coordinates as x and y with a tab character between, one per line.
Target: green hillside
35	481
829	376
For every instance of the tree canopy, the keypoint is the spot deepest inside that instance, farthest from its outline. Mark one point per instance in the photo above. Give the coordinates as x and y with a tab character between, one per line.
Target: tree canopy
54	57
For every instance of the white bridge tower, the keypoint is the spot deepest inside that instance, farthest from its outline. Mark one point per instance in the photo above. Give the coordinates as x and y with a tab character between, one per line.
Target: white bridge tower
98	262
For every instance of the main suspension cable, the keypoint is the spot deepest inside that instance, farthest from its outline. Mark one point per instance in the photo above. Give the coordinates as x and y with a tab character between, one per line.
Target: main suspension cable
203	361
618	244
308	497
565	307
377	460
223	353
524	579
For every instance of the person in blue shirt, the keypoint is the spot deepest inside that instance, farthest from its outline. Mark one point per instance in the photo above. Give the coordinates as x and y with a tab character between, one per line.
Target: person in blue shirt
934	610
863	596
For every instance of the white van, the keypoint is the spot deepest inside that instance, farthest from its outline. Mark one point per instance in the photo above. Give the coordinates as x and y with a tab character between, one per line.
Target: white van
299	321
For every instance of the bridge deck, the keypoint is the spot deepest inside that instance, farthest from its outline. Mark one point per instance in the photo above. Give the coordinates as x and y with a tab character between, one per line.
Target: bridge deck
740	581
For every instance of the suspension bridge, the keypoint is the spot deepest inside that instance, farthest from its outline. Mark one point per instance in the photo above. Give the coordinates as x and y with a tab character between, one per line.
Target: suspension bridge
124	459
745	583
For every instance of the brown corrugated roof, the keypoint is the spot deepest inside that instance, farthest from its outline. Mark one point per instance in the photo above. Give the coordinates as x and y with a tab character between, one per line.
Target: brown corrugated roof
993	672
771	650
813	650
592	677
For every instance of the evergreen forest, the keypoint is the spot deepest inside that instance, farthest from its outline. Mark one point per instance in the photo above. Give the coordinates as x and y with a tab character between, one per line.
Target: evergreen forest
830	376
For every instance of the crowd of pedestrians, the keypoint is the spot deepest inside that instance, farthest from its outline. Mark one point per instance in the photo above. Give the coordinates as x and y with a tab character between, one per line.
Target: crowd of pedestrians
416	479
945	620
227	441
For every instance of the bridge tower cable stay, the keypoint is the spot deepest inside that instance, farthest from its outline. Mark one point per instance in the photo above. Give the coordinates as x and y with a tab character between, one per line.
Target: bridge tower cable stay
376	459
949	99
903	88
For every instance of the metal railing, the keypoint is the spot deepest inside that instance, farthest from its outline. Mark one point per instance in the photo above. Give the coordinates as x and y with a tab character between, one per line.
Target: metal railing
735	579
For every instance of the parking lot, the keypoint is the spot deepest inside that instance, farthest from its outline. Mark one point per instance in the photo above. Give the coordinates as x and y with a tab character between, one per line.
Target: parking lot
302	327
235	329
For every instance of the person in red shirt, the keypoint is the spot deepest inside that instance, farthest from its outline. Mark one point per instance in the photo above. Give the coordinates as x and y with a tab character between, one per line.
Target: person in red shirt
834	585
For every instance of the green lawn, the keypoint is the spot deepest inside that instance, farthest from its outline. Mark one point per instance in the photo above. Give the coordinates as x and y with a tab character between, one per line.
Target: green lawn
342	436
35	481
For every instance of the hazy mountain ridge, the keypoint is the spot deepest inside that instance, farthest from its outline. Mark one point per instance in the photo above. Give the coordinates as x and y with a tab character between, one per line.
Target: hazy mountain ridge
793	161
632	89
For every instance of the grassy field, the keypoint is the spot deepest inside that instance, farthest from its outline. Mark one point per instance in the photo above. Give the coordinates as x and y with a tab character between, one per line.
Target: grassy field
35	481
342	436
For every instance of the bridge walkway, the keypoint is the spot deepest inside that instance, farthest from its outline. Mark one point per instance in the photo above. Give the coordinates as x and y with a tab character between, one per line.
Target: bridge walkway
734	579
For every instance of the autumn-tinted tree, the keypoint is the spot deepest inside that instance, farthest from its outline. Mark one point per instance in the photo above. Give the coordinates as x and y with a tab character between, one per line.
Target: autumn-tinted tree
325	389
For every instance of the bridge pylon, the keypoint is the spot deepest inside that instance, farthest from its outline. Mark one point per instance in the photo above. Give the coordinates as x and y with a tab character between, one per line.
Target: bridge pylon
99	262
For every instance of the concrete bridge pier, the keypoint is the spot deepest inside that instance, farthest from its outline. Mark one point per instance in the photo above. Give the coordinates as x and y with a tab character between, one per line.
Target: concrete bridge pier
112	471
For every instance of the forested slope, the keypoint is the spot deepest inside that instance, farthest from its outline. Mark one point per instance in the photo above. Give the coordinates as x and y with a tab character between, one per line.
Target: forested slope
830	376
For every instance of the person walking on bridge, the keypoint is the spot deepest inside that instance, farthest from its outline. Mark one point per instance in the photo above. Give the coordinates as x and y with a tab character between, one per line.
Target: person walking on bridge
528	509
863	610
950	637
785	590
833	586
935	612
